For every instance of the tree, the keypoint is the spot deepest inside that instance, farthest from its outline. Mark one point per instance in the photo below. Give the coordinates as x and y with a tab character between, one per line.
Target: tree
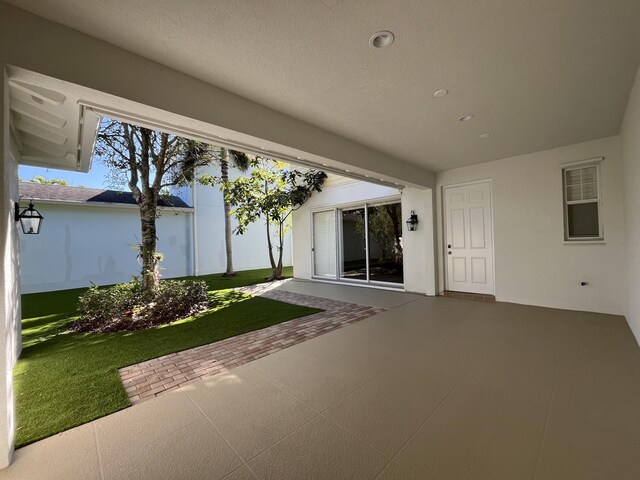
44	181
385	230
241	161
273	193
148	161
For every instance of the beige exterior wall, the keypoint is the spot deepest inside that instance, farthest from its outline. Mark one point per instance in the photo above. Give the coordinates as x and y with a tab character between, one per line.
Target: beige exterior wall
630	140
533	264
9	284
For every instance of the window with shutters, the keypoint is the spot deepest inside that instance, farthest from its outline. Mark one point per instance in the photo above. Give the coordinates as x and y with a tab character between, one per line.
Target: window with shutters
582	203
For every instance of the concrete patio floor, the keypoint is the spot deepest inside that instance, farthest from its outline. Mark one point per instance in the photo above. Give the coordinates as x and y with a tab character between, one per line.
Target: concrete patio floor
431	388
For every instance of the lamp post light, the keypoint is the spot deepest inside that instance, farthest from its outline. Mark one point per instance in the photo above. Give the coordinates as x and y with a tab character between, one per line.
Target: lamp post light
412	222
30	219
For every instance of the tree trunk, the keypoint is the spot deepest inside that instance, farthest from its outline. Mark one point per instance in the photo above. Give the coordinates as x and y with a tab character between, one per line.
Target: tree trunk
271	259
228	238
269	243
397	230
278	270
148	254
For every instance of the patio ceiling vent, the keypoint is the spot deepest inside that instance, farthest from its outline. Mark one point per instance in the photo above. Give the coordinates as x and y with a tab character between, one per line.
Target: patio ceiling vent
412	222
30	219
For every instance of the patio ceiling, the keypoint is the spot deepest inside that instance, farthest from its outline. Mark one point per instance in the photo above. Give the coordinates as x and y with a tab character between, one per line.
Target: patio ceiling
536	74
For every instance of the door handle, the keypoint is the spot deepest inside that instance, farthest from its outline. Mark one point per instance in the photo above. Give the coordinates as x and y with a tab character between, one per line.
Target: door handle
449	246
449	253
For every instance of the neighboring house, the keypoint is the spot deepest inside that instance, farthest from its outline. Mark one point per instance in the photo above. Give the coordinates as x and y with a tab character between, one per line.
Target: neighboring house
89	236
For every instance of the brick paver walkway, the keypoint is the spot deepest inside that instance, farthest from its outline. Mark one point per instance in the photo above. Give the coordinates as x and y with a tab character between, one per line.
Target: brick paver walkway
153	377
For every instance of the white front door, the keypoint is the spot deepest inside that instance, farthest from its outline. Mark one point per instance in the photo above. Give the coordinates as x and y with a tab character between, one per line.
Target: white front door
468	238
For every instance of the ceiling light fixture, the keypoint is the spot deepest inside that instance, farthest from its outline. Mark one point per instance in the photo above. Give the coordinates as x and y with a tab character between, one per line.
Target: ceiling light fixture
381	39
466	118
484	135
440	93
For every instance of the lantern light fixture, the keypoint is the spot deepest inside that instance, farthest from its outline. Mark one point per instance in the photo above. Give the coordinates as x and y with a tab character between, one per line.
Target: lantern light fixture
30	219
412	222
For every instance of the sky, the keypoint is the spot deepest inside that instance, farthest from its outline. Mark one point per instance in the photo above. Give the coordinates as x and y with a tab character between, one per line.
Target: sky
95	178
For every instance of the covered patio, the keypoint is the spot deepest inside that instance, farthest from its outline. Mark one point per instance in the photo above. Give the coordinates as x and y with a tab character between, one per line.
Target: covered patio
508	131
442	387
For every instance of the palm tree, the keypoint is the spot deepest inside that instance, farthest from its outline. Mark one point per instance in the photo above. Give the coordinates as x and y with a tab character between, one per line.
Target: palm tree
241	161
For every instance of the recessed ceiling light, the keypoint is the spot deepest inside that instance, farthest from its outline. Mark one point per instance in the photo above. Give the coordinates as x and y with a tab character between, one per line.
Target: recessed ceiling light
440	93
382	180
298	158
484	135
348	171
466	118
324	164
366	176
381	39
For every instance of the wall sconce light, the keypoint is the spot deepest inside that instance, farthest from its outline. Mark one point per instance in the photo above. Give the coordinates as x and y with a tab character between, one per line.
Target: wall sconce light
30	219
412	223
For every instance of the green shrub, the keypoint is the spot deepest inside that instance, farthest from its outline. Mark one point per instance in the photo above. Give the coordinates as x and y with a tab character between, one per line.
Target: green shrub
124	307
176	299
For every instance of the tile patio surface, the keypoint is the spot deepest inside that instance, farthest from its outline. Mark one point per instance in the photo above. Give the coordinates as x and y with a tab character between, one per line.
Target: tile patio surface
431	388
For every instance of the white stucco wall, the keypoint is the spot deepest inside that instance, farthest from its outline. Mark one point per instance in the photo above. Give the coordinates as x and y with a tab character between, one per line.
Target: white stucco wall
630	142
83	244
9	285
250	249
418	264
533	265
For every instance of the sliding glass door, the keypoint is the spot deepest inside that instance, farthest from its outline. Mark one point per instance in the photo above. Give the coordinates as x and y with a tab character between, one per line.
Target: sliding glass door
360	244
353	264
384	230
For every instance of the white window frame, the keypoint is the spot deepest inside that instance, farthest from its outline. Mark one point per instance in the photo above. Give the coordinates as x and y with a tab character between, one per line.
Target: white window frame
577	166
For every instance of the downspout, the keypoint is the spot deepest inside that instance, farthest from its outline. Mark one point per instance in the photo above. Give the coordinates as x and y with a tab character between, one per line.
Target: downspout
194	229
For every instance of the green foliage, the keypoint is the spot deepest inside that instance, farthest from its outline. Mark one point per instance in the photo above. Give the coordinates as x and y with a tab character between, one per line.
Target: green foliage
385	229
127	307
103	305
48	181
272	192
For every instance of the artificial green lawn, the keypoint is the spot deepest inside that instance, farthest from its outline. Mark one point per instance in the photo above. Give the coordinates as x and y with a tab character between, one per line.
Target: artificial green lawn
66	379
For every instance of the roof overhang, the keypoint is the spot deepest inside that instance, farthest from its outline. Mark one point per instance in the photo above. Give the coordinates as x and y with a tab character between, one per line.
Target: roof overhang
51	128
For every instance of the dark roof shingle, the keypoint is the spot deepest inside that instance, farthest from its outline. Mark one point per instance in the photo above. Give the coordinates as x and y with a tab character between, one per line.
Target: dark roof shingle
64	193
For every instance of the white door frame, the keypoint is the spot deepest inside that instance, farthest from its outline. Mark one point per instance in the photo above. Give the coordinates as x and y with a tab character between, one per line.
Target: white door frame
444	228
